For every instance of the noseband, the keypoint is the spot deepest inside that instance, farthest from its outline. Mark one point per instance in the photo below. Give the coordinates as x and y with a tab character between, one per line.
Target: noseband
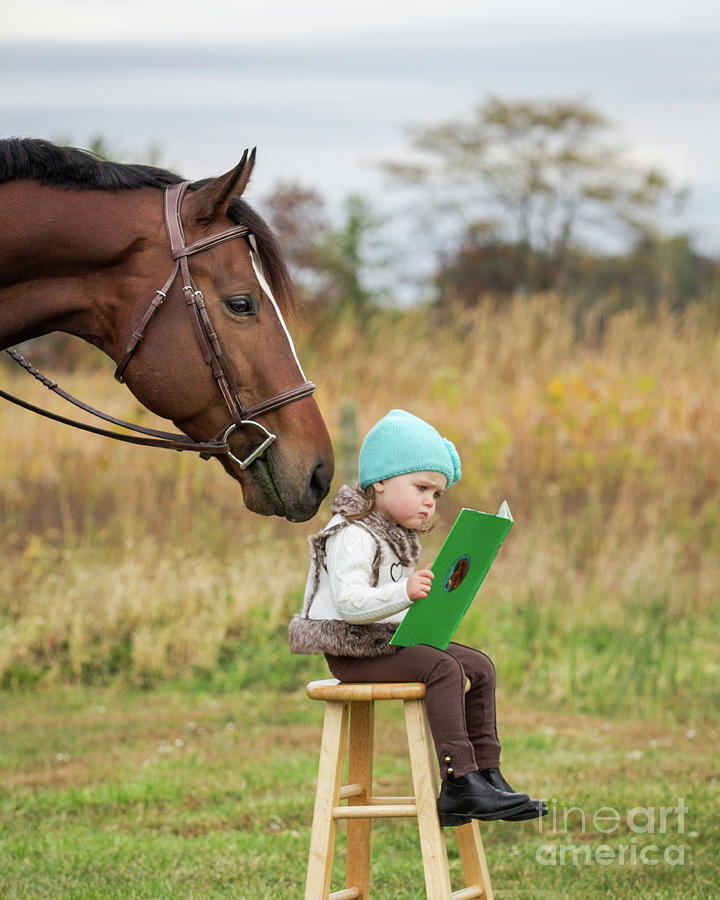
241	416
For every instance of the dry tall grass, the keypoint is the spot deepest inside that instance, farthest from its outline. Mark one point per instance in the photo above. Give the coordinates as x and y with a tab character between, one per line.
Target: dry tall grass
606	445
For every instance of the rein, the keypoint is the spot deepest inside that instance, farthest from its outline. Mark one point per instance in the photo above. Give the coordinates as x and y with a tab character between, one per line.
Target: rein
241	416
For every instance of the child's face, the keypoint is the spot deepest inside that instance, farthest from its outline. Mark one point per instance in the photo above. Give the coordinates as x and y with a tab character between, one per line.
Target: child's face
410	499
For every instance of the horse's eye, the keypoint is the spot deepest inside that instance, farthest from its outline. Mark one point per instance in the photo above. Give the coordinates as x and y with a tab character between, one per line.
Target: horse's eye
242	305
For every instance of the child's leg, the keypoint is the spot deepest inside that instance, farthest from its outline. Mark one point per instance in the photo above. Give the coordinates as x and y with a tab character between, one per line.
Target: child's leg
480	717
444	680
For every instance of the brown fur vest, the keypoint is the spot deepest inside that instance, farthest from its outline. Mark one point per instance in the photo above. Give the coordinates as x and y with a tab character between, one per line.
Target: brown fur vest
334	636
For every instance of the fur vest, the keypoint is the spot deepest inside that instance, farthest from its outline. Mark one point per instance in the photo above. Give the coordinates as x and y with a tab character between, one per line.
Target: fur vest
335	636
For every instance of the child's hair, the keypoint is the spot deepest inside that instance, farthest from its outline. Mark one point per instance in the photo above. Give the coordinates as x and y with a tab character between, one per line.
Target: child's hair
369	506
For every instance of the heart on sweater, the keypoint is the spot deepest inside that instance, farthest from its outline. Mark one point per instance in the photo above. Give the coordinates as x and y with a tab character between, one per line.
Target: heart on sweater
396	576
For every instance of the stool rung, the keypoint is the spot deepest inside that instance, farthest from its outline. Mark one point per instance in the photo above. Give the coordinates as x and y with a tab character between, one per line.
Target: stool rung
350	790
468	893
345	894
354	790
389	811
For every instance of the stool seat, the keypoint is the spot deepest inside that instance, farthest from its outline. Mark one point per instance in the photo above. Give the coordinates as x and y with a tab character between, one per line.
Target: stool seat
332	689
348	730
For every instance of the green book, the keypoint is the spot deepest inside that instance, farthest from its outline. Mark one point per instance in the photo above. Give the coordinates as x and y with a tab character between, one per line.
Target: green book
460	567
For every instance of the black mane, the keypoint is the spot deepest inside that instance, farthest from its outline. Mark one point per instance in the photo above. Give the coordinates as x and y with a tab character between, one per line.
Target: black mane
70	167
273	264
75	169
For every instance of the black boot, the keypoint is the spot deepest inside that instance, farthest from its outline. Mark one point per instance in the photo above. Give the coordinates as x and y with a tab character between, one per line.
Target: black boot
472	797
533	809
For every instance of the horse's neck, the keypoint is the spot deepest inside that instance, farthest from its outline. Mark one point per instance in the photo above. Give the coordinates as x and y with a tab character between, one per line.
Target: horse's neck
63	255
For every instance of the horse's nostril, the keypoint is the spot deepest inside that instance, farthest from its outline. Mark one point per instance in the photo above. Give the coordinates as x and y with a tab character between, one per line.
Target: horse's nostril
320	480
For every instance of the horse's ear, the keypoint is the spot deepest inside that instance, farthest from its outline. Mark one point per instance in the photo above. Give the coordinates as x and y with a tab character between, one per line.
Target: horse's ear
212	200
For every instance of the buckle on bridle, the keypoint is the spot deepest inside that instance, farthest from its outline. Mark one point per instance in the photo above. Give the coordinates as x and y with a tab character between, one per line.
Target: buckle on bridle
258	451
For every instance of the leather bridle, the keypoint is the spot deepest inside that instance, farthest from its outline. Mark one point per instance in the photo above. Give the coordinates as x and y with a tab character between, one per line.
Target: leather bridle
241	416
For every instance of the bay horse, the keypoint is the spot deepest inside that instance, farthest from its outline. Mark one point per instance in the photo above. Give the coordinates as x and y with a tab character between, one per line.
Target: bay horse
84	250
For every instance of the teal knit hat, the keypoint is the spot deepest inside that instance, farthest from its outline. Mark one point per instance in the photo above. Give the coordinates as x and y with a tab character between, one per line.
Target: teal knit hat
401	443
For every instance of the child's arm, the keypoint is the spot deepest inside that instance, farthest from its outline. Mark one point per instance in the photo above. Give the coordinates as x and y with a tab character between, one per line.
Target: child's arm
349	556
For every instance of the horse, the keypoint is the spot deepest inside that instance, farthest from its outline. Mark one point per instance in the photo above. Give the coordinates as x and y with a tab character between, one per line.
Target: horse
457	576
84	250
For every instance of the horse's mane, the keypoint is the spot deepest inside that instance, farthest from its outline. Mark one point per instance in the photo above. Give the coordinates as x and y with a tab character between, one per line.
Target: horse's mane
70	167
76	169
273	264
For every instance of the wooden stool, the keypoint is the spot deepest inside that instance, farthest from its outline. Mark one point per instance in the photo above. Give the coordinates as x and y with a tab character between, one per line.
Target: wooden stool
355	703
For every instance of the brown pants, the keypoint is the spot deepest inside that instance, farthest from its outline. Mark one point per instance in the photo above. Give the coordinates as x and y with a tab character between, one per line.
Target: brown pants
463	724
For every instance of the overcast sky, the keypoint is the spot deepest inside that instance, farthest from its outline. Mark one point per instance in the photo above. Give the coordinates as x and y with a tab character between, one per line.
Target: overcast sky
325	89
470	22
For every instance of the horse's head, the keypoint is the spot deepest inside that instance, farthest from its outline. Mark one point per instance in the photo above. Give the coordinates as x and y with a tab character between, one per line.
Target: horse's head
215	352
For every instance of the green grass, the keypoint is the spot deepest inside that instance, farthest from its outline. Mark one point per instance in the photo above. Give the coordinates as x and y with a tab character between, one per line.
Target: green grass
644	659
180	792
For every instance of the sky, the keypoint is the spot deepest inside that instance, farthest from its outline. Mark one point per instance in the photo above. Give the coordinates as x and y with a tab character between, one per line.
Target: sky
327	89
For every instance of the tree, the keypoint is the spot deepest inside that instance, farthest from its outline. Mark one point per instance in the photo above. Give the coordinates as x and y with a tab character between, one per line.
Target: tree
297	215
540	177
350	257
335	266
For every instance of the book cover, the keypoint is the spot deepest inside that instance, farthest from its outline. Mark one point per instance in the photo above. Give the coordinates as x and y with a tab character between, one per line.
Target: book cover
460	568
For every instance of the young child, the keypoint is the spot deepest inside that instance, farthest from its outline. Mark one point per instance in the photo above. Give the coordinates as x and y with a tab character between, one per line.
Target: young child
361	581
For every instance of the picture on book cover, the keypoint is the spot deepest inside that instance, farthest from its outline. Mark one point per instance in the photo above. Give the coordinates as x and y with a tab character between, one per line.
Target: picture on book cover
456	573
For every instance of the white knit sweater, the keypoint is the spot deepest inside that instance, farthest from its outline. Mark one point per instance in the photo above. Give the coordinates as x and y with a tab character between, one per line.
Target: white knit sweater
344	590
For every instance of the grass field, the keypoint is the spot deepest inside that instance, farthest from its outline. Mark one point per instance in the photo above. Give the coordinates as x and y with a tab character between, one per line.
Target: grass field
189	794
155	740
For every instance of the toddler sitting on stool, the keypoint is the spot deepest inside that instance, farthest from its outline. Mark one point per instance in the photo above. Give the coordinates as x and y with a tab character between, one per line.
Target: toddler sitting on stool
361	581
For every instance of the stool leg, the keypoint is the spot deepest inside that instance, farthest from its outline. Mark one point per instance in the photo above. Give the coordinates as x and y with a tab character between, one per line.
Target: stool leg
432	841
432	756
360	765
469	839
472	856
327	796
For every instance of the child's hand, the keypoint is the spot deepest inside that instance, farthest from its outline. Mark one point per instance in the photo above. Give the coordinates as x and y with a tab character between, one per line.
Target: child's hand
419	584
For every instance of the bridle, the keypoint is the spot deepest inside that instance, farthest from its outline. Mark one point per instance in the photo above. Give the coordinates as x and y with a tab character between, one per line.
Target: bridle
241	416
